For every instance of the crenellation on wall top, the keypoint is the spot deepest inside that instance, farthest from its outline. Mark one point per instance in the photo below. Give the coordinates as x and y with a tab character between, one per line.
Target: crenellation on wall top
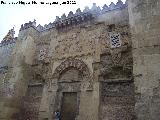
5	43
28	25
77	18
9	38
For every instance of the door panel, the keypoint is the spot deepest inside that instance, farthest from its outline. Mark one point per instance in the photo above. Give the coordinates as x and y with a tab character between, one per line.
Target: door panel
69	106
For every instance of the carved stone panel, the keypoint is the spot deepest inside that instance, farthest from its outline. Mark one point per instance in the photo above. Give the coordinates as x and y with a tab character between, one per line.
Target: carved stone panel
77	42
75	63
42	54
115	40
71	75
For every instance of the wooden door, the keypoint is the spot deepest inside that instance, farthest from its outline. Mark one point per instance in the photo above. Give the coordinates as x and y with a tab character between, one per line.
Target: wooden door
69	106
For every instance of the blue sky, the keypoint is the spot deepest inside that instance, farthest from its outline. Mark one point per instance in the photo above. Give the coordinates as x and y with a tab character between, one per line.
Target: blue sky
12	15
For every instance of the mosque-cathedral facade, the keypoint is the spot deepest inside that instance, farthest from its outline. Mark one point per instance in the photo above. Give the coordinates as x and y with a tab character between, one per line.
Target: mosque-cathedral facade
95	64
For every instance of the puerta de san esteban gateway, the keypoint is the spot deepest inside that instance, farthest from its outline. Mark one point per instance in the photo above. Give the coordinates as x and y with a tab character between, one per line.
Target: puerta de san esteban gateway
94	64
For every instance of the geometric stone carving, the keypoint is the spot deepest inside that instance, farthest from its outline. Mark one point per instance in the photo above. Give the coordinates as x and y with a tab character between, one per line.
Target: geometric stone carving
115	40
71	62
42	53
116	56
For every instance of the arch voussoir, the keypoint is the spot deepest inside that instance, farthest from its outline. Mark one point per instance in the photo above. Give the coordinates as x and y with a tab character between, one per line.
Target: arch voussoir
72	62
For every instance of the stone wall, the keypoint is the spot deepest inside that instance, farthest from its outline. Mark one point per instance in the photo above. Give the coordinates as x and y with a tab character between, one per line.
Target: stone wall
145	28
109	57
117	101
16	77
42	55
